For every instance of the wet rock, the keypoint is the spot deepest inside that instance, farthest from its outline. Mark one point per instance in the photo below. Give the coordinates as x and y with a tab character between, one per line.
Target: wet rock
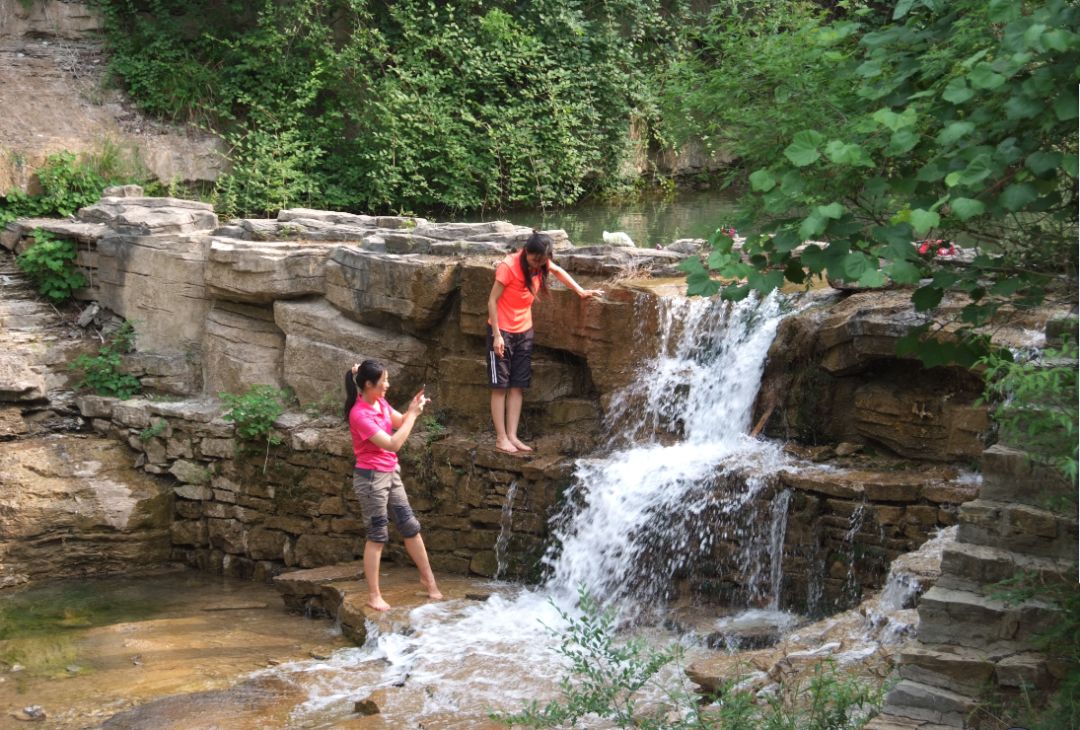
366	707
30	713
297	586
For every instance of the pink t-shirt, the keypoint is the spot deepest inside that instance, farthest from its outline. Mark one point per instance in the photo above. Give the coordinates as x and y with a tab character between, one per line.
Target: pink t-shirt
364	422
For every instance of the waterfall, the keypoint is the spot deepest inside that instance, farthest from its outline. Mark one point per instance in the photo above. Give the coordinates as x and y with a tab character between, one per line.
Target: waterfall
637	516
778	529
506	523
679	479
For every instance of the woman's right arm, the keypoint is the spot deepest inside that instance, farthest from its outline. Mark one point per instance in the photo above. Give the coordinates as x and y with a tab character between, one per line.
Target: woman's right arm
493	317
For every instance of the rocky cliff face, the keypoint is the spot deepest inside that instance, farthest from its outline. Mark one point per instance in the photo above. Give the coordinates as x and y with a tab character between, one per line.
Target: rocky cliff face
54	95
293	301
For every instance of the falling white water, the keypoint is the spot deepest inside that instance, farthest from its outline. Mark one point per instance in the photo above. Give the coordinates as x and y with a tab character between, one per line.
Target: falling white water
776	546
628	523
632	518
506	524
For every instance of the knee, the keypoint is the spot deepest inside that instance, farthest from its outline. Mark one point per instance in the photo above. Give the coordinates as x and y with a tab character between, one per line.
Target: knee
407	523
377	529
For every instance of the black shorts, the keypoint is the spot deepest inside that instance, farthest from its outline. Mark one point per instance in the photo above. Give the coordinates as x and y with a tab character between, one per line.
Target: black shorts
514	368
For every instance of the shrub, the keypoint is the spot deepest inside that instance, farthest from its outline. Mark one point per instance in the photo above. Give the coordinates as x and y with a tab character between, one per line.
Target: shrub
50	264
254	413
607	675
102	373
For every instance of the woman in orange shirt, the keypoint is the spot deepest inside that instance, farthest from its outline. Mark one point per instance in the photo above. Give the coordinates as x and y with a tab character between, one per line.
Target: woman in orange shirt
519	278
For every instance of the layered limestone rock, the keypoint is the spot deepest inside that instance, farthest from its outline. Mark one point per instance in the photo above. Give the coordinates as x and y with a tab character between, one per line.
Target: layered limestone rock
320	345
76	507
970	642
834	375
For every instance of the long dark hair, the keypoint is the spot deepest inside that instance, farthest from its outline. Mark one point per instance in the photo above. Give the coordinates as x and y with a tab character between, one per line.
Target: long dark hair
371	371
538	243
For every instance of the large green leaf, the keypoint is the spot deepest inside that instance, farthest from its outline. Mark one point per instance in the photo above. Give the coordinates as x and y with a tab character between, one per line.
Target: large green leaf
843	153
1017	195
966	208
1042	162
893	121
803	149
983	76
954	131
812	225
904	272
762	180
926	297
923	220
957	91
902	142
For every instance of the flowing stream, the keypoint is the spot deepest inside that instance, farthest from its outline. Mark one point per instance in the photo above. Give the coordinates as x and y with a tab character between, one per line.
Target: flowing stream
629	524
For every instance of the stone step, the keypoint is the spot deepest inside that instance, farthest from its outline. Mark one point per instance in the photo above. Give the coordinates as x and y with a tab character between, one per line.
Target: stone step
1020	528
922	702
970	619
971	567
1010	476
970	671
339	592
895	722
963	670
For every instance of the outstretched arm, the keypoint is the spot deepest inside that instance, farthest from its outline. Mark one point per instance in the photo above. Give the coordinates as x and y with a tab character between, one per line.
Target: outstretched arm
565	278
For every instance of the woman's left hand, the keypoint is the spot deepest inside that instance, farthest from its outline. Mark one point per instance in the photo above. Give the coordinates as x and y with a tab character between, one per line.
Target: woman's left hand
590	293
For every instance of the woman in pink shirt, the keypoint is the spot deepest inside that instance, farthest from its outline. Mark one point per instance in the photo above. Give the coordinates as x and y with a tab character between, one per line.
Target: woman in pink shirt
377	476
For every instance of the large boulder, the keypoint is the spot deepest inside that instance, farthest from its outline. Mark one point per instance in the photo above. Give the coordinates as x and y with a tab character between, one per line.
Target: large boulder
412	292
151	216
156	282
320	344
247	271
77	507
242	347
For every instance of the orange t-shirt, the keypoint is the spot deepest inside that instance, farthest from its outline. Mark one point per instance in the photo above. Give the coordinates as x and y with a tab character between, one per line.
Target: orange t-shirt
514	307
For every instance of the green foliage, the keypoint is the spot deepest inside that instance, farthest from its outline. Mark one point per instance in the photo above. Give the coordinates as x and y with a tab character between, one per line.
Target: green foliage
69	182
961	126
153	430
607	676
254	413
758	72
102	373
50	264
405	105
1036	405
433	427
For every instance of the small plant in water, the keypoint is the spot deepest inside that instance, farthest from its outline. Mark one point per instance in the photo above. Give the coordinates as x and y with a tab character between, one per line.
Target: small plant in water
607	675
254	413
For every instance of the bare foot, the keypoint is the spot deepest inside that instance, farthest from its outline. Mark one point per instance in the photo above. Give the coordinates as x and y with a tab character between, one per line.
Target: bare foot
520	446
432	589
506	446
378	604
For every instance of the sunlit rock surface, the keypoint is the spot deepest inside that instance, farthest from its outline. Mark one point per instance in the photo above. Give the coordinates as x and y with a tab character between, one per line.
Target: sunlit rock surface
76	506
